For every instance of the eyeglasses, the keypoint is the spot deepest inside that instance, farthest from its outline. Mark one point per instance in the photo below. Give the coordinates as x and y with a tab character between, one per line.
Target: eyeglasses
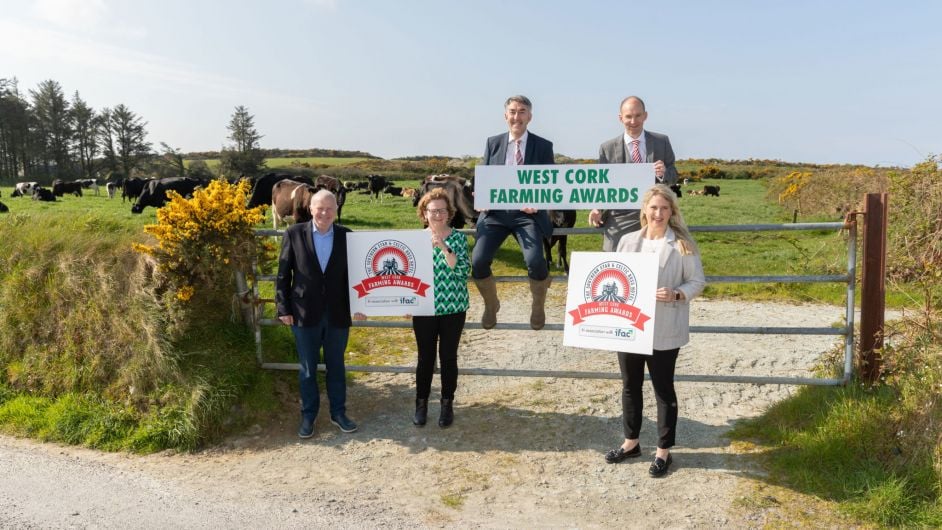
443	211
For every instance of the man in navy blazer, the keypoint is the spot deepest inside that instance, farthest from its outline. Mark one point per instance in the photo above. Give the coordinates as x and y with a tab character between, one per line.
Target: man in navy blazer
652	147
312	296
528	225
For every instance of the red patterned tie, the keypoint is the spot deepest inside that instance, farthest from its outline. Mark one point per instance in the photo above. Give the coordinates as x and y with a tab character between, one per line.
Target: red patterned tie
518	154
635	152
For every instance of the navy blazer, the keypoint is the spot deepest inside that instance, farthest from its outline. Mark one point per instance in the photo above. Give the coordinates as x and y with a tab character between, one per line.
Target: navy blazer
302	289
539	152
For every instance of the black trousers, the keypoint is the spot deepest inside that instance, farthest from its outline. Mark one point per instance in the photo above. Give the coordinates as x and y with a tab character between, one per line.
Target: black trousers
661	367
437	334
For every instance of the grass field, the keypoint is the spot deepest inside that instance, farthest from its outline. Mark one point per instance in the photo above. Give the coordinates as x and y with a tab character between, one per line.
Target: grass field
741	202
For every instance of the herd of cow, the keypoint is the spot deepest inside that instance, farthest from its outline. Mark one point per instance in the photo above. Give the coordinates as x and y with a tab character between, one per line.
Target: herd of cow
289	196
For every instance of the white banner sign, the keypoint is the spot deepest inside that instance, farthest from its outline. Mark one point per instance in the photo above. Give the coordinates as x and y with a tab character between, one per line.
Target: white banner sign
391	273
611	300
562	187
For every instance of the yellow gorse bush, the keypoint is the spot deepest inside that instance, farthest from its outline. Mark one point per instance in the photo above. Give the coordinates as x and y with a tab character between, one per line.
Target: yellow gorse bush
201	241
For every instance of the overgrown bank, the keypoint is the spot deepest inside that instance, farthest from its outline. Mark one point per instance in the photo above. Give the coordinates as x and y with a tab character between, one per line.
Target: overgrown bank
874	451
97	349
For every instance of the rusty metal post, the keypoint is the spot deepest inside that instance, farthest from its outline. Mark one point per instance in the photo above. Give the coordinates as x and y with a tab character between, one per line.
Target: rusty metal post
873	286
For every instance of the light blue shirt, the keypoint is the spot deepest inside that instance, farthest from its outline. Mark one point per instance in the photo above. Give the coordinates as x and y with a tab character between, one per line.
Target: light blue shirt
323	245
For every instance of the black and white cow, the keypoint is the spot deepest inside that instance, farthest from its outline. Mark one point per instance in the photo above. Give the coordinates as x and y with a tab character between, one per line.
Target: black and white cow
377	183
61	187
131	188
43	194
155	194
112	187
24	189
90	184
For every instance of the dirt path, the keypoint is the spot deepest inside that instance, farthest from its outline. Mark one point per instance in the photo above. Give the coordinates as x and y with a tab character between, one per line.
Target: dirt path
522	452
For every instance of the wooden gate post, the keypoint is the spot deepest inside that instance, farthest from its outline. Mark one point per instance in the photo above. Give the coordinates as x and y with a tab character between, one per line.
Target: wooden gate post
873	286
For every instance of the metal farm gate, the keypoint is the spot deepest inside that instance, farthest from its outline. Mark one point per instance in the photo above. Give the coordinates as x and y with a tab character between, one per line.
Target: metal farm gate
847	330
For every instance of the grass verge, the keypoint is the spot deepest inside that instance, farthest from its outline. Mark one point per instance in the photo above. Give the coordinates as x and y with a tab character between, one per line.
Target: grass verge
870	452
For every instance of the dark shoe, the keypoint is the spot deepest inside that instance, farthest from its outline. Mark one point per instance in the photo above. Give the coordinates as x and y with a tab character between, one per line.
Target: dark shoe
660	466
421	412
447	416
344	423
617	455
307	428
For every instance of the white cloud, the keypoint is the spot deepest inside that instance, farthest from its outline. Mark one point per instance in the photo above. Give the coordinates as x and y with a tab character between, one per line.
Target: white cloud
57	49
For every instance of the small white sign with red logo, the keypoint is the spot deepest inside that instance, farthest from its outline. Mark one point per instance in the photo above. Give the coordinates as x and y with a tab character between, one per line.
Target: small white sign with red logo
391	273
611	300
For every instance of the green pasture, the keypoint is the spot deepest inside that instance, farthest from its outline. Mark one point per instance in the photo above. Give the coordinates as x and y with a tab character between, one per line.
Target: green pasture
741	253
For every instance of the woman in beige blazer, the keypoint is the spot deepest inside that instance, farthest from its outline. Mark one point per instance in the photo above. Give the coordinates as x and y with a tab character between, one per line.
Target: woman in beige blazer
680	279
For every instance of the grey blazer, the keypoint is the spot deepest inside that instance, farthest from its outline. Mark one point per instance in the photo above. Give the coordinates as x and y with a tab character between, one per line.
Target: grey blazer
684	273
617	223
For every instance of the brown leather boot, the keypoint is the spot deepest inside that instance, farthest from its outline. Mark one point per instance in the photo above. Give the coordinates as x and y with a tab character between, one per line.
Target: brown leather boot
488	289
538	289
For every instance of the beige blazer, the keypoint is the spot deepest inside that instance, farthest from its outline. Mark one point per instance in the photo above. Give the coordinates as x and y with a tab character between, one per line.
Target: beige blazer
684	273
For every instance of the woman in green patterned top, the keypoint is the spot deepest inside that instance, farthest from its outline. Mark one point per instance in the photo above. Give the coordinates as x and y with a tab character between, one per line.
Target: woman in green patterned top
451	265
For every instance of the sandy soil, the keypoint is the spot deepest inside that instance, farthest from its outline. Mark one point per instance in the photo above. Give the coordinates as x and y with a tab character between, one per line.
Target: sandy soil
523	452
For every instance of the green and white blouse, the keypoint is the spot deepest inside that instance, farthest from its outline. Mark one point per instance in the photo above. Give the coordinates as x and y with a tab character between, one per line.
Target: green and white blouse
451	285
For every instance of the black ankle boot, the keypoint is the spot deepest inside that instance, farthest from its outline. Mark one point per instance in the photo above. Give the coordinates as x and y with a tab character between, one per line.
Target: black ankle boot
448	414
421	412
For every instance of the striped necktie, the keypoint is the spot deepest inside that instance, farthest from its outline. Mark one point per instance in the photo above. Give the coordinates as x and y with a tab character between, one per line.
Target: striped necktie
518	154
635	152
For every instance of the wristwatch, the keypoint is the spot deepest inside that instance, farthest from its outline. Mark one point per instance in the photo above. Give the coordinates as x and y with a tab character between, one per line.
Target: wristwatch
676	295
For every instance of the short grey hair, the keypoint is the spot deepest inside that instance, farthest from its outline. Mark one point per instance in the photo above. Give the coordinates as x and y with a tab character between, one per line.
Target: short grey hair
323	193
521	99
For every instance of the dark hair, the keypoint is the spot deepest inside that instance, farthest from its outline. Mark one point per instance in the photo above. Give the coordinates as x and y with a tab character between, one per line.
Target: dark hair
434	195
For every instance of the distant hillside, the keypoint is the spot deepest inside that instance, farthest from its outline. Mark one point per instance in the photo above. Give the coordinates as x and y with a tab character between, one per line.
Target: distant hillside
288	153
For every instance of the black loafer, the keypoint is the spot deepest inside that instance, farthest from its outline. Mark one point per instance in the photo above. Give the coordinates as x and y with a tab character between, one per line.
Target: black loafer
307	428
660	466
617	455
343	423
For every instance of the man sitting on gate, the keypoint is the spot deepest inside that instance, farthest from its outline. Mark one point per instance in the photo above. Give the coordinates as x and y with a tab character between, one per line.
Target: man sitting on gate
528	225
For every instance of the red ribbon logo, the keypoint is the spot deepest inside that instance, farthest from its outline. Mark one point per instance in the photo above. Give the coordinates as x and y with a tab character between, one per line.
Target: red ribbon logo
391	280
626	311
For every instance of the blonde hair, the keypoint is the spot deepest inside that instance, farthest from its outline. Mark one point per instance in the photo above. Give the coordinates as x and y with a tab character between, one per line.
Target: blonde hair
676	222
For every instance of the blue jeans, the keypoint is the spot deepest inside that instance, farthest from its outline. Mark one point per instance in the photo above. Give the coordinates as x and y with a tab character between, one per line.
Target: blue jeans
309	342
491	233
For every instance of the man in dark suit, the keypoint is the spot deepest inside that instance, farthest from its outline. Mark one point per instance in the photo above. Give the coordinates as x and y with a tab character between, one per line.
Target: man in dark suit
312	296
633	146
528	225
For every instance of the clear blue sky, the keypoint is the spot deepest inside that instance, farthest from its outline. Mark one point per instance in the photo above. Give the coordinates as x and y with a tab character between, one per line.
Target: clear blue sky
824	82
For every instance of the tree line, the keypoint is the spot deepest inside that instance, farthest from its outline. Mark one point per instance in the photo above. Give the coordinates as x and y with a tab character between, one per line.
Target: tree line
45	135
289	153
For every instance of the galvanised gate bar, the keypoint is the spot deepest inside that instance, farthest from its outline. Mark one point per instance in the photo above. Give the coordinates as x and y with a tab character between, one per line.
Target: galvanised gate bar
847	331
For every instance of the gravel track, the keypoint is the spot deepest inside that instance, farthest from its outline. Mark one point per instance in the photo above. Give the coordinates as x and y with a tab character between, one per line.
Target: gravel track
524	452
